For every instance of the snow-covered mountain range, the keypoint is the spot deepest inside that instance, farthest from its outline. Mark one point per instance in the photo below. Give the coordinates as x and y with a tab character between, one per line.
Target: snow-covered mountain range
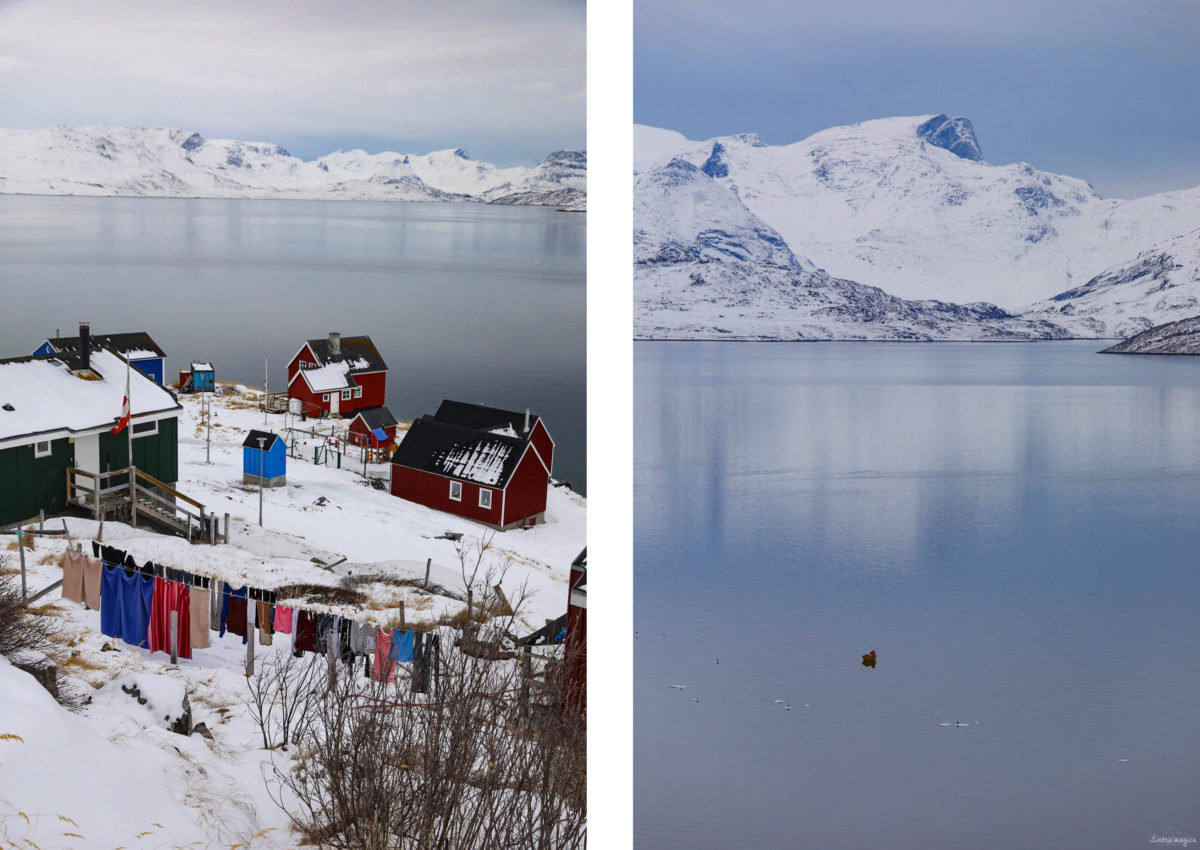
911	206
164	162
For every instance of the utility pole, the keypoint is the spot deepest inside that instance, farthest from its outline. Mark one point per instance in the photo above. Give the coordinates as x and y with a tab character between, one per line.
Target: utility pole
261	440
206	399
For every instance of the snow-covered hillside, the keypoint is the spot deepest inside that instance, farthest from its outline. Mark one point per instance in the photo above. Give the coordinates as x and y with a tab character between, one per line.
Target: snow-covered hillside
164	162
707	267
1161	283
910	205
1182	337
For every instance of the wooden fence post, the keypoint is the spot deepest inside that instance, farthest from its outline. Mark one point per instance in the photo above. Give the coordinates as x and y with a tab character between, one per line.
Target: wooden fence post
21	546
428	562
226	528
250	615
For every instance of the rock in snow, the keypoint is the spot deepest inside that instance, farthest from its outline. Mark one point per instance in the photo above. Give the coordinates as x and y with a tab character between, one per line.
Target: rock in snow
164	162
910	206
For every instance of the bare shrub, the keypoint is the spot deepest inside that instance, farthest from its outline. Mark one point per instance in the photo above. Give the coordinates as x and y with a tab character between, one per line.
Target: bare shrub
283	691
486	759
20	628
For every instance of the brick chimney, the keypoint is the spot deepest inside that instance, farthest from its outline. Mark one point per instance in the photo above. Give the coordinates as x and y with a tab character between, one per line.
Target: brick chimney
85	345
335	344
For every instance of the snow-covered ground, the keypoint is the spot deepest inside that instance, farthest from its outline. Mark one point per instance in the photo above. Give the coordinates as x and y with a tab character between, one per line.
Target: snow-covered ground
114	768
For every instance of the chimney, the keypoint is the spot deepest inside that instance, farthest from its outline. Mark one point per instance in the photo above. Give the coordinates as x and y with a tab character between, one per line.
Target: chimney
526	431
85	345
335	344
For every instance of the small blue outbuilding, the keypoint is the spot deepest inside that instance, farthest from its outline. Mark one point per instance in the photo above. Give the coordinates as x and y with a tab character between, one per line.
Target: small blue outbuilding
268	464
204	379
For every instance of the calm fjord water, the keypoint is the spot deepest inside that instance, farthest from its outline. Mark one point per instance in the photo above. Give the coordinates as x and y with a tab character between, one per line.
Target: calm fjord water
465	301
1015	529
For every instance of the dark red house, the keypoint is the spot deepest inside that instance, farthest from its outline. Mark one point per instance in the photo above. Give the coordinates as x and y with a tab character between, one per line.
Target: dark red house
575	640
373	427
338	376
485	464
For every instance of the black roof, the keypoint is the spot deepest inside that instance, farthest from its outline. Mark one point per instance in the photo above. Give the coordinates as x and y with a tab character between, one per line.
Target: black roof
481	417
376	417
466	454
120	343
351	348
251	441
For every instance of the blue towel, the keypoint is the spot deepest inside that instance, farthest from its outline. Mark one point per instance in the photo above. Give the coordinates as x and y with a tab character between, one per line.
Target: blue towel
402	646
110	601
137	596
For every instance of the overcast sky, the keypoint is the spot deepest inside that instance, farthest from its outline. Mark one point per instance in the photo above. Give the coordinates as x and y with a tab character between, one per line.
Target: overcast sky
1104	90
503	78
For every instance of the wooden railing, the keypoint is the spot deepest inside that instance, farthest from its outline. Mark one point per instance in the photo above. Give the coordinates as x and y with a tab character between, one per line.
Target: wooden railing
101	491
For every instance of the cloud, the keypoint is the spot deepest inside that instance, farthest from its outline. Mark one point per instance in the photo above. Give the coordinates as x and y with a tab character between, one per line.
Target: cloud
8	63
465	70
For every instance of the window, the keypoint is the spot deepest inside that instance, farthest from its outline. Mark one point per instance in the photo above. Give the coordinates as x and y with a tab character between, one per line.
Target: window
41	449
456	491
485	499
325	397
358	392
144	429
345	395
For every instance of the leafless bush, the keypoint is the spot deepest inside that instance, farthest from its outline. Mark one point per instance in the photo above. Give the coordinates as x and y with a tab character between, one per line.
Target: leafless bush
19	627
485	759
283	691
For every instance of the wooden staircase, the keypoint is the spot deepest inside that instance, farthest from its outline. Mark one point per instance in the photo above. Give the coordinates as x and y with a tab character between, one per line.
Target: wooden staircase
137	496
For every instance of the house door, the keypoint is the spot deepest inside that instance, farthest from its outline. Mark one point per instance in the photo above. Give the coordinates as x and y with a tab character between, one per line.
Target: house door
334	399
87	458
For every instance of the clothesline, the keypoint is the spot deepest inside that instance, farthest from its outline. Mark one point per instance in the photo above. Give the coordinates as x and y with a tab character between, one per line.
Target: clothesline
137	601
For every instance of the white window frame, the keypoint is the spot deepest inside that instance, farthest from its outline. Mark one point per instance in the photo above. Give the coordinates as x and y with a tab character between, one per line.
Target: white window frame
148	432
456	491
346	394
325	397
38	451
358	392
484	492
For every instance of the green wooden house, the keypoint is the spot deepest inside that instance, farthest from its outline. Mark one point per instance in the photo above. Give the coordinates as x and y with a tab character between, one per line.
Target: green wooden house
57	411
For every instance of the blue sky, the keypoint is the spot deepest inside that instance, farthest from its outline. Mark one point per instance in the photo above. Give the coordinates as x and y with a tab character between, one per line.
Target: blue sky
505	80
1107	91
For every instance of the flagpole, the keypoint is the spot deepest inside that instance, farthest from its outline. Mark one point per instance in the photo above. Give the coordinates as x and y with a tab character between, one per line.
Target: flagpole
129	427
266	388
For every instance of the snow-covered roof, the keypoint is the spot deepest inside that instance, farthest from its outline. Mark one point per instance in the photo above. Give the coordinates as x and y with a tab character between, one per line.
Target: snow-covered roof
481	461
137	345
201	366
465	453
357	353
45	397
323	379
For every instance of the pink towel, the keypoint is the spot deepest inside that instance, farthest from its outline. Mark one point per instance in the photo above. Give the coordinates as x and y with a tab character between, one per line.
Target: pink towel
199	615
170	596
283	620
72	583
382	663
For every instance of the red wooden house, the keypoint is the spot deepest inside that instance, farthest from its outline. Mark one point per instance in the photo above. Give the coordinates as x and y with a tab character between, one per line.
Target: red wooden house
485	464
373	427
575	640
338	376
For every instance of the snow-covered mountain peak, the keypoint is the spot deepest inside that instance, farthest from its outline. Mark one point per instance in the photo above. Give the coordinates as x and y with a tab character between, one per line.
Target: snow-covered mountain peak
954	134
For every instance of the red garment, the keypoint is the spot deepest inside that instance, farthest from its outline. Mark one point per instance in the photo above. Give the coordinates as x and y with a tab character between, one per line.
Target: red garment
305	638
236	621
170	596
283	620
383	662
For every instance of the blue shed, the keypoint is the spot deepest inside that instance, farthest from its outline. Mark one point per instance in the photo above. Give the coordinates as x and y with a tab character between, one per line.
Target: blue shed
268	464
203	378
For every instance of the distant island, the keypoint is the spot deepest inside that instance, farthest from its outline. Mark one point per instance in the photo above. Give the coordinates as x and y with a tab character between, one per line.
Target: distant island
172	163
